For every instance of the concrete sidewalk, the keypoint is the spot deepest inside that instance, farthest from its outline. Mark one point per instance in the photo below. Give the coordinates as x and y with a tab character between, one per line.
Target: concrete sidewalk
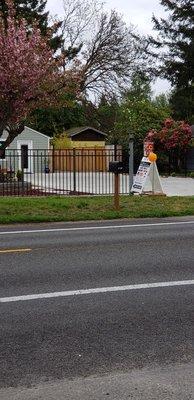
102	183
173	186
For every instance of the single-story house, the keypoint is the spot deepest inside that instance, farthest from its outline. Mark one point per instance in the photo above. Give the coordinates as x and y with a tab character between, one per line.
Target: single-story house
22	151
86	136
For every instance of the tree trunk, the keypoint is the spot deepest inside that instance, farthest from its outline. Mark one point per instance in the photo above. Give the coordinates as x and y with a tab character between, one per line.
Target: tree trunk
12	134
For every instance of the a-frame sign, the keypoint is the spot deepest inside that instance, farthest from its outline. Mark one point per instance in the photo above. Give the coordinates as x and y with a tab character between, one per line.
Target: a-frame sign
147	179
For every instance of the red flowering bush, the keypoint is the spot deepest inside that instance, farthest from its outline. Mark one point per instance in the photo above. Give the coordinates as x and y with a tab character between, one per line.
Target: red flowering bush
172	141
173	135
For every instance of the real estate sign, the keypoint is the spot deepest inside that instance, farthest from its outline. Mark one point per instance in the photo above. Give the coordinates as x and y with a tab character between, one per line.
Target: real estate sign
147	178
141	176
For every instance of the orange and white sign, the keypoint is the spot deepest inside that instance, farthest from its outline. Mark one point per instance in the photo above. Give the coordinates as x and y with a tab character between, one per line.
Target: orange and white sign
148	147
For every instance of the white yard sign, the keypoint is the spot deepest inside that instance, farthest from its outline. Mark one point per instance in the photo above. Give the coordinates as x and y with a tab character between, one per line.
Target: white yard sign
147	178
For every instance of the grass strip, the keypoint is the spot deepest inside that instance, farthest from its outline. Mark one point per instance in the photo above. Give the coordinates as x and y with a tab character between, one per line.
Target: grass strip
51	209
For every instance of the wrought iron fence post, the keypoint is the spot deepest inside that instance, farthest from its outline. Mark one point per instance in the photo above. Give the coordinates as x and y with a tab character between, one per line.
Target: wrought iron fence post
53	159
115	152
74	170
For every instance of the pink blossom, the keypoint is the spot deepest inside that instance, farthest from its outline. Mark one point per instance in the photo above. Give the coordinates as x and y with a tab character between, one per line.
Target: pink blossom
30	76
173	135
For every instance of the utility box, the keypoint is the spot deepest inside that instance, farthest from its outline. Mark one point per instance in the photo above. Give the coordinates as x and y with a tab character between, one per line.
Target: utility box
116	167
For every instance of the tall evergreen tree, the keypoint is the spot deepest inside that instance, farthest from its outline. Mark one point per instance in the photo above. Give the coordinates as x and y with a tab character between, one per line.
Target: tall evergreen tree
175	43
33	10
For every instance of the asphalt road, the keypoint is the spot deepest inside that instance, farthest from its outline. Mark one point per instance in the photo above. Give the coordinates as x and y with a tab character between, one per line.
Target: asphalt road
124	342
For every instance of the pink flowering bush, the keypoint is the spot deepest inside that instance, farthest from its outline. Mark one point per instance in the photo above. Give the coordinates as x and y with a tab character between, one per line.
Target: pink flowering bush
173	135
173	139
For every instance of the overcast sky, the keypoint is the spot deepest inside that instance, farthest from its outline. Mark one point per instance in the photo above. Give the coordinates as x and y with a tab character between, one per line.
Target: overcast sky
137	12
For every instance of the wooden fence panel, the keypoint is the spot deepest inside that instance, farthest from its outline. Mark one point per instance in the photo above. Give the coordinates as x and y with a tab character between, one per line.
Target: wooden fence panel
80	160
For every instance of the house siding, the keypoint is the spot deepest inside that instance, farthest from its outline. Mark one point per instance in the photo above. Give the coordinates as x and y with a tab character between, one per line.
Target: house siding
85	144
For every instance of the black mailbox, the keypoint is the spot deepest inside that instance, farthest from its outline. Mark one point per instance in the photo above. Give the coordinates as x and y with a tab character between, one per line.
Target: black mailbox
116	167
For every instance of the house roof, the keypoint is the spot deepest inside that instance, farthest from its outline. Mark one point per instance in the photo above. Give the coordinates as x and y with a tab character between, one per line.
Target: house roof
33	130
75	131
5	133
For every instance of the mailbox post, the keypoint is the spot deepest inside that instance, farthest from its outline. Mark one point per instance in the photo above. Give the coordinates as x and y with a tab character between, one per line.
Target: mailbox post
116	167
116	193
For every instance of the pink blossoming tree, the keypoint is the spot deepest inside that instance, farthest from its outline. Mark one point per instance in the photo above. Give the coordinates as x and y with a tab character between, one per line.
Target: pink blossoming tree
30	77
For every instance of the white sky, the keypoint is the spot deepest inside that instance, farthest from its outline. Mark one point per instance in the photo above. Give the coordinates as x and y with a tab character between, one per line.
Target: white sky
137	12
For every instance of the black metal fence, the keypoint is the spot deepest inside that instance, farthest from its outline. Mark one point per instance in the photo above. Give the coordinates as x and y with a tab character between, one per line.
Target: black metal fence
84	171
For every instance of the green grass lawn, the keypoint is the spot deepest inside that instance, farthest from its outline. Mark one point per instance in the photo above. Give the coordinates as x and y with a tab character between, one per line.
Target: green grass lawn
48	209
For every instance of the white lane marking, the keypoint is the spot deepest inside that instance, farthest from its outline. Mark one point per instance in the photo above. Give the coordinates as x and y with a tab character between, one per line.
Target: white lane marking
7	251
89	228
95	291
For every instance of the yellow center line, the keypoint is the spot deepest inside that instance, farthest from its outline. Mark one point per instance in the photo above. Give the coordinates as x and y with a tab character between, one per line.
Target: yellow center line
14	251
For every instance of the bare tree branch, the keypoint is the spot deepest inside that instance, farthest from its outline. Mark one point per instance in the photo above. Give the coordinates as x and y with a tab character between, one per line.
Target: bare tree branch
110	51
79	17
